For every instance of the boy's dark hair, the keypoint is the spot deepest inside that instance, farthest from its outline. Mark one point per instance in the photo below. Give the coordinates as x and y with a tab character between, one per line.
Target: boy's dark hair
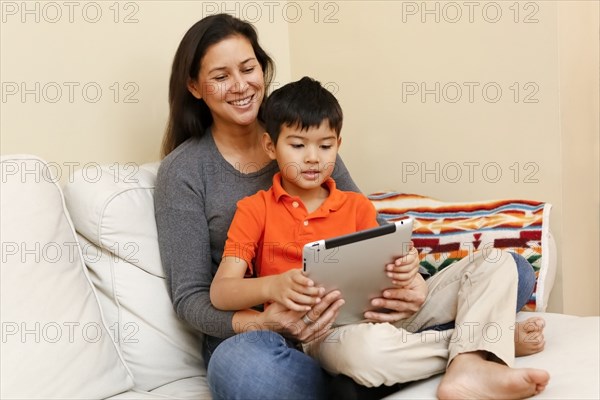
304	104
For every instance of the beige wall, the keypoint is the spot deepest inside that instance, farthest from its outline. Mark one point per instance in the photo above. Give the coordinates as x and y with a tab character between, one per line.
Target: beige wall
95	89
403	72
418	82
579	83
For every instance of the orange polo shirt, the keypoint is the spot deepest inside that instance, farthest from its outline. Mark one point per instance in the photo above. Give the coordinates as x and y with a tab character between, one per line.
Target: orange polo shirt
270	228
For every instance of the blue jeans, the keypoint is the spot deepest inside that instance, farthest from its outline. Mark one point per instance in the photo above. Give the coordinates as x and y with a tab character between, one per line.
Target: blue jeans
526	280
264	365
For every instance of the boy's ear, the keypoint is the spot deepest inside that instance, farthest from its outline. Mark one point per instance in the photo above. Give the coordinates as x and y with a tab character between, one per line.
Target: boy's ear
193	87
268	145
339	142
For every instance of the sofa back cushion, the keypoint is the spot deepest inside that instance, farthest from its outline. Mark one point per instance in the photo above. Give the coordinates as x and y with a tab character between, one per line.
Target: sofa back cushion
113	211
55	343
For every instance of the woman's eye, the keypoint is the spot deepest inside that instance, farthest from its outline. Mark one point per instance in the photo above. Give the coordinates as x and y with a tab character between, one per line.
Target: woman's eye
248	70
220	78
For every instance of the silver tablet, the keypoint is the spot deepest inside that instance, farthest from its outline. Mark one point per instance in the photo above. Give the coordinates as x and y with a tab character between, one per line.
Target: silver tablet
355	265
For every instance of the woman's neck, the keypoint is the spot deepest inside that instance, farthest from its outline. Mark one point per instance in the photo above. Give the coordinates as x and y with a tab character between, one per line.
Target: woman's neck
236	136
241	146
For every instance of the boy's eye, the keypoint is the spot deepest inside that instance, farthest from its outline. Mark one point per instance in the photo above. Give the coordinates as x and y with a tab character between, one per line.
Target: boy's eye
297	145
326	146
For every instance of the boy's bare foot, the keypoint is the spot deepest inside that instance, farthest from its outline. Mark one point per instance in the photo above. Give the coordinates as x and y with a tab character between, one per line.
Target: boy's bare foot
472	376
529	336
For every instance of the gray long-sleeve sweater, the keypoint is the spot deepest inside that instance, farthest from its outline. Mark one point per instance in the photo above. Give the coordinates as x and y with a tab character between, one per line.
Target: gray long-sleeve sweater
195	200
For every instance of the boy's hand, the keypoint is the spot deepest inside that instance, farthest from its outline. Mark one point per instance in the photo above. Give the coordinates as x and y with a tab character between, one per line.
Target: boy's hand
403	271
294	290
409	294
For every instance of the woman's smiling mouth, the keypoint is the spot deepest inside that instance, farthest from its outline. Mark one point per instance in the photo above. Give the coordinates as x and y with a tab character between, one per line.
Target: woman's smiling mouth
242	102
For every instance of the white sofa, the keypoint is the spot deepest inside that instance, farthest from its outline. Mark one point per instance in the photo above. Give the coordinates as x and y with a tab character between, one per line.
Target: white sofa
85	311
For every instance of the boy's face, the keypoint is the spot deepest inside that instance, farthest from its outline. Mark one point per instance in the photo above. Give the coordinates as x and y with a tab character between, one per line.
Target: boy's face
305	157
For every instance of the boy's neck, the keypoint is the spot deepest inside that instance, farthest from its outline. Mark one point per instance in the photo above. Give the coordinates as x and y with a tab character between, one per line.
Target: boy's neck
311	198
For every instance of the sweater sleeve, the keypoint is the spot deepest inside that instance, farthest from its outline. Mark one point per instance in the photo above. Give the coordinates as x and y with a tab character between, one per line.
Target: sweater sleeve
344	182
342	178
184	244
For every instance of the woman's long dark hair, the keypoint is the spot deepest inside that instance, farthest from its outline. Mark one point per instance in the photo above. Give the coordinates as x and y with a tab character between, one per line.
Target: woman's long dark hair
189	116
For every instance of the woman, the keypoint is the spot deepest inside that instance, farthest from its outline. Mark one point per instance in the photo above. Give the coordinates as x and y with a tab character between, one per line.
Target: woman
213	158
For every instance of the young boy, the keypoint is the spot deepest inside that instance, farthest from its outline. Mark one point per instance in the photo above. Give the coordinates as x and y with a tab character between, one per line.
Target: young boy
269	229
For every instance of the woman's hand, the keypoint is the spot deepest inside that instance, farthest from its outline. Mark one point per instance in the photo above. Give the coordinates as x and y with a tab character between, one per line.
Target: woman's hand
402	301
409	294
294	290
300	325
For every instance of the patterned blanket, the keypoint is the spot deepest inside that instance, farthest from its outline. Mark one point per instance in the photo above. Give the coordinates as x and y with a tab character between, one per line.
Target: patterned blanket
446	232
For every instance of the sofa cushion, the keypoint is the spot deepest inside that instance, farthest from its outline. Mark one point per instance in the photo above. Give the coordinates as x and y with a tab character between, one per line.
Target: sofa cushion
445	232
572	362
55	343
113	211
194	388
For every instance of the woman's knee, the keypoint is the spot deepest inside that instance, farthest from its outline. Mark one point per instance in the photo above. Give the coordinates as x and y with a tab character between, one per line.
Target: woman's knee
261	364
526	280
525	270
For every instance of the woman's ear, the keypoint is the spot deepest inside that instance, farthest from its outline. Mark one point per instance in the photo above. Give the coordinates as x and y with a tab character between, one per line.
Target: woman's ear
268	146
193	87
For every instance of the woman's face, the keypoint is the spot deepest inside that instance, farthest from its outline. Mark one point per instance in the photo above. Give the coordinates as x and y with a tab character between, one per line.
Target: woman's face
230	82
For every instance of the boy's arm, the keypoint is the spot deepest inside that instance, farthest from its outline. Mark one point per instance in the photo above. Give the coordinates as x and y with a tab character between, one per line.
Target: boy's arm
231	291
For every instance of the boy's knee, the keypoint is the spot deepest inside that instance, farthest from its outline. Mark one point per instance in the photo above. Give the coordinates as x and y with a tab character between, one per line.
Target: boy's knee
364	351
497	261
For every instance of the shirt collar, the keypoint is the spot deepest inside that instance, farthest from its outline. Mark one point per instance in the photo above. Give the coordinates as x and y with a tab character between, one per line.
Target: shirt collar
332	203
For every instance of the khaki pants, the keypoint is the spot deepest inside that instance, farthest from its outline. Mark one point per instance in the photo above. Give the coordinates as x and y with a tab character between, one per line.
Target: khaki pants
479	292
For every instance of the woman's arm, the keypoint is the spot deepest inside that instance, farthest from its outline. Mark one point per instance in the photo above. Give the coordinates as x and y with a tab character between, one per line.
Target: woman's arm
184	244
342	178
344	181
409	294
